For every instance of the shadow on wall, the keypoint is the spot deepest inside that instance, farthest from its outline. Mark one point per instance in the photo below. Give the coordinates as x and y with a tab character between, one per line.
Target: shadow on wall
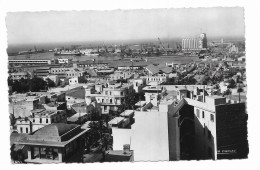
196	141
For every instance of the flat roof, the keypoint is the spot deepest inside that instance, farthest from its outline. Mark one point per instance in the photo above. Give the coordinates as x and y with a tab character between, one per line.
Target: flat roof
152	88
116	120
216	97
77	115
49	143
142	103
127	113
42	112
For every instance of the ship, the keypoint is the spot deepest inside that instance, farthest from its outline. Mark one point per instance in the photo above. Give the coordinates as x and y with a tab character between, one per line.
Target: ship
70	53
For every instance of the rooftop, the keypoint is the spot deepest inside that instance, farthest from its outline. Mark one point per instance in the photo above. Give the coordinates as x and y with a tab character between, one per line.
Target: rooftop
127	113
76	117
55	129
43	112
14	137
54	135
152	88
78	92
153	69
118	156
116	120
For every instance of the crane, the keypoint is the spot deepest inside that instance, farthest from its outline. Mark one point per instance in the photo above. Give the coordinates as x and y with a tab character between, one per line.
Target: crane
161	44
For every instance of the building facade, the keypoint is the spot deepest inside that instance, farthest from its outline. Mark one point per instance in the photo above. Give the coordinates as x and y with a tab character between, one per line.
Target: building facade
195	44
54	143
110	96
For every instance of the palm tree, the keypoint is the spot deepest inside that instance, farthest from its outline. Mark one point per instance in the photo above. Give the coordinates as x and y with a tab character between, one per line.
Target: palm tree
100	134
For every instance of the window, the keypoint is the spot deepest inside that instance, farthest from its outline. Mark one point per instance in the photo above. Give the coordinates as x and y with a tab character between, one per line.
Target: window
47	120
26	130
198	113
33	120
21	130
203	114
211	117
40	120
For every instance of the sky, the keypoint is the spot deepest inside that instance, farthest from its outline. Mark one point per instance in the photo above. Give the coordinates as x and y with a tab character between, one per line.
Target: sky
73	26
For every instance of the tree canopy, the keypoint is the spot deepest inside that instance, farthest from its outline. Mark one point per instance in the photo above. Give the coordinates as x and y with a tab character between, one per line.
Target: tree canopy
25	85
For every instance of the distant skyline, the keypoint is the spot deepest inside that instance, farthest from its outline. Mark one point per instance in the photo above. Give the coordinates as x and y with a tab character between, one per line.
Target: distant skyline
76	26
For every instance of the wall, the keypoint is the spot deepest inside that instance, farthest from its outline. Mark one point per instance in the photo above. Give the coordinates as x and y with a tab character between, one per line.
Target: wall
205	133
150	140
23	125
174	137
231	131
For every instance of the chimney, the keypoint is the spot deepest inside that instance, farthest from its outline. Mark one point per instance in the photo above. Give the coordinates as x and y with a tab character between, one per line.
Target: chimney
126	148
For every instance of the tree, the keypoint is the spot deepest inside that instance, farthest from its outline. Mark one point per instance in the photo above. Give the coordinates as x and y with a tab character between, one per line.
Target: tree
232	84
16	86
50	83
100	134
36	84
24	83
17	156
82	79
128	102
227	92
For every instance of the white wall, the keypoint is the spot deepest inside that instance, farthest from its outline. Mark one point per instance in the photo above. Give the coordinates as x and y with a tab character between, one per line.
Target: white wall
149	137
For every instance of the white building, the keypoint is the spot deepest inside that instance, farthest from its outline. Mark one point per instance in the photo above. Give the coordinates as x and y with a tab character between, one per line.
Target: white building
184	124
139	84
54	78
242	58
19	75
121	75
63	60
74	80
233	49
74	73
40	118
110	96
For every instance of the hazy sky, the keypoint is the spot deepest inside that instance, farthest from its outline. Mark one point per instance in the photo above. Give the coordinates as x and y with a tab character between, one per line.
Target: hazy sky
44	27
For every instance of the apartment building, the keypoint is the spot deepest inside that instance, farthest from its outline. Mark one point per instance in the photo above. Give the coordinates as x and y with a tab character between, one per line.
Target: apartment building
20	75
189	124
210	128
110	96
39	118
42	117
74	73
121	75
